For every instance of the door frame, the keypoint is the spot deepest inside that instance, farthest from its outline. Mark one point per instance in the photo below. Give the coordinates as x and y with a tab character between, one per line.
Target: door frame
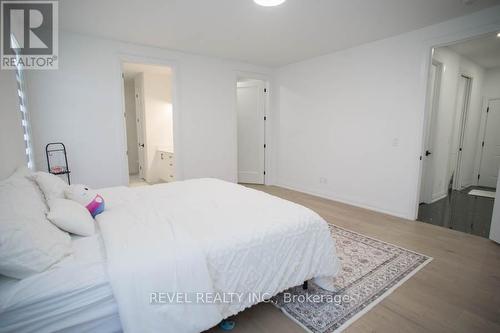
488	25
268	123
428	129
176	112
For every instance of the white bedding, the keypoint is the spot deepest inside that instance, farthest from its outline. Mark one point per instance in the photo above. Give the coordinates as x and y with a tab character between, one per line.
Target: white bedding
206	235
73	296
198	235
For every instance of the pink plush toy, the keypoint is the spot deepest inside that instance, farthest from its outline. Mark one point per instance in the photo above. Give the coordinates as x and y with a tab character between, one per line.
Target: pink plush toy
86	197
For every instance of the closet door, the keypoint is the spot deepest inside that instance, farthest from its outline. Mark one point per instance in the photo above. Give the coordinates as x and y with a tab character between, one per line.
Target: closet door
251	131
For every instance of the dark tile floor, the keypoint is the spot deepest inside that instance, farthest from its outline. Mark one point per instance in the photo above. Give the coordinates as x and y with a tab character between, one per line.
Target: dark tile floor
460	211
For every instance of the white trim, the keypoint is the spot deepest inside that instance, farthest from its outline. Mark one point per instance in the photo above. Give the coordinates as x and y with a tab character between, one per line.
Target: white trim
378	299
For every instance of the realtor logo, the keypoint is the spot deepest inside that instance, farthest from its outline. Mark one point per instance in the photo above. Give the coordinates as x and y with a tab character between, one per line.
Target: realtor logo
29	34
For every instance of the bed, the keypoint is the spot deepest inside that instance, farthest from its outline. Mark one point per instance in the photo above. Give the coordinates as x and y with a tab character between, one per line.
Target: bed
73	296
195	238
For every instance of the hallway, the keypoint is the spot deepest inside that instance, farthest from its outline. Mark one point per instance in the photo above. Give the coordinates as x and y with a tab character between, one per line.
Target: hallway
460	211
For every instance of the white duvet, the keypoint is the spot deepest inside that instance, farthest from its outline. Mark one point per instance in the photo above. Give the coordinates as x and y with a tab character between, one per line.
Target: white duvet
206	237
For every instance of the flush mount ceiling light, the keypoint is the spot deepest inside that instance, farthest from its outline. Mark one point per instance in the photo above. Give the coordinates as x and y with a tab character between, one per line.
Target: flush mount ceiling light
498	35
269	3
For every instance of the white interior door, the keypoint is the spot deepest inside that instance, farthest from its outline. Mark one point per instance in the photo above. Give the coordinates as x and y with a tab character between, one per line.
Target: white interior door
427	157
139	110
495	220
251	131
463	96
490	157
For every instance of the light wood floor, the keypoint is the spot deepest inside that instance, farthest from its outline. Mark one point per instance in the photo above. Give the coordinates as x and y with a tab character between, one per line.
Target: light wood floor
459	291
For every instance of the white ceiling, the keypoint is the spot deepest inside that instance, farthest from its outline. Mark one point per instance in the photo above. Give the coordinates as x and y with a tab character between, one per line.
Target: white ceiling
484	51
241	30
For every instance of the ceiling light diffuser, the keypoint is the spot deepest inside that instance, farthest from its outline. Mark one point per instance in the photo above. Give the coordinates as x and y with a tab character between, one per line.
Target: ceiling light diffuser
269	3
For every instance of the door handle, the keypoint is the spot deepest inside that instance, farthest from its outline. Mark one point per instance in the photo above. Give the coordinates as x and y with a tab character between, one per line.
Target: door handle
141	145
427	153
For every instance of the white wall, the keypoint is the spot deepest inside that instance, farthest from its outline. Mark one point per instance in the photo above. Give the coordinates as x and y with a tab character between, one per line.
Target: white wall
353	118
12	149
351	122
81	105
159	121
491	87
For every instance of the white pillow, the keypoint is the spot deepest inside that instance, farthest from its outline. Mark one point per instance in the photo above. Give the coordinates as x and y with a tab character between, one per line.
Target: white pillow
51	185
71	216
29	243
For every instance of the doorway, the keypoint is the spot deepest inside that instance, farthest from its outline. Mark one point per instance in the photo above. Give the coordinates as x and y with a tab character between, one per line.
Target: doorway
251	127
461	148
148	112
490	146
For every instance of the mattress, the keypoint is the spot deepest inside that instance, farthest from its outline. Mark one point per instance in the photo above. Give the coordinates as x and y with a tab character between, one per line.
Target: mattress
73	296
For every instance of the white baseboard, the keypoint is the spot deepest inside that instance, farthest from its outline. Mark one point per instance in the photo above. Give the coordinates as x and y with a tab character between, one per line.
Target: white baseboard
345	201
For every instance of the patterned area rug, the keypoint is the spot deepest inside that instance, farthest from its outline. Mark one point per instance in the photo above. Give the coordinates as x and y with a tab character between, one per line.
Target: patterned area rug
371	270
